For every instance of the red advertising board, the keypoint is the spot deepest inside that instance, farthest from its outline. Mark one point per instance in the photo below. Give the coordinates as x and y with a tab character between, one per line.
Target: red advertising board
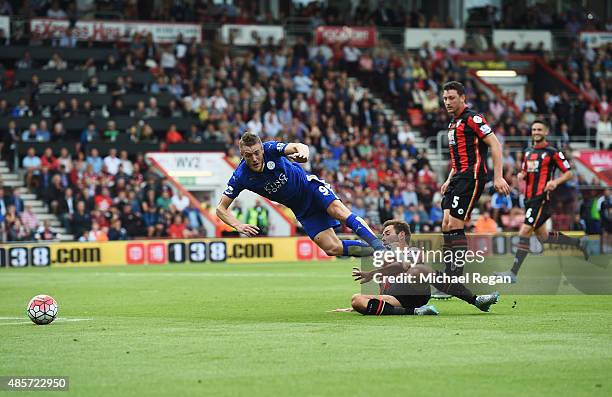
358	36
598	161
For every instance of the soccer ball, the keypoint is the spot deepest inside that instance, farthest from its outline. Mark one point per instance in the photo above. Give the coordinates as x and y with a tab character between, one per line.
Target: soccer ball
42	309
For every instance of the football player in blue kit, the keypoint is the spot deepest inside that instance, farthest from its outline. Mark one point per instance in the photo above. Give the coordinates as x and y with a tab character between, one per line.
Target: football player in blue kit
270	169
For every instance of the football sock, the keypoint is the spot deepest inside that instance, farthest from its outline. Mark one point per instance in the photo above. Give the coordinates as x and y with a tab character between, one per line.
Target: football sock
361	229
455	241
378	307
521	254
562	239
356	248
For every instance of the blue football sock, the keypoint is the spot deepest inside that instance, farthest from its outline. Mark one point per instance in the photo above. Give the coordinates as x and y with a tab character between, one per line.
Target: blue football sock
356	248
361	229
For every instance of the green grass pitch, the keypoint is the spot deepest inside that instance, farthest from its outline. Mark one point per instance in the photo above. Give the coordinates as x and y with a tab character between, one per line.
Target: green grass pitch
228	330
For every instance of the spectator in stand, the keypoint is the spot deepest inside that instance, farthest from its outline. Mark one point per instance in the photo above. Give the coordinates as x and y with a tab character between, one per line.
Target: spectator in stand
89	134
97	233
42	133
178	229
103	200
65	160
255	125
21	110
56	63
32	165
18	232
591	120
80	221
45	232
29	218
95	161
49	160
116	231
112	162
164	200
173	136
111	133
30	135
179	201
604	133
485	224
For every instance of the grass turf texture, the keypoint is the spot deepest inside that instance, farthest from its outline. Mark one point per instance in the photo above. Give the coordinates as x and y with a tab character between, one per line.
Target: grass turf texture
266	330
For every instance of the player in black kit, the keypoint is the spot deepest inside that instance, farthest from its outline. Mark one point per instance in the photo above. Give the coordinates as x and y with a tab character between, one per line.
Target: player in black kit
538	169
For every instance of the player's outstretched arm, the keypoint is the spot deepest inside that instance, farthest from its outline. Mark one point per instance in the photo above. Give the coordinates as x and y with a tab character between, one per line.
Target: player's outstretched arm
229	219
297	152
499	182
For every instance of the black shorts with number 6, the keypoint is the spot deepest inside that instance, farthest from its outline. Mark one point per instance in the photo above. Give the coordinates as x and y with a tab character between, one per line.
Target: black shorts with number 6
461	196
537	211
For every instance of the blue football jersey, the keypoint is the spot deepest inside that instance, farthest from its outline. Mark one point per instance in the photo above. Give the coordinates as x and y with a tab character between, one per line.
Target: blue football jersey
281	180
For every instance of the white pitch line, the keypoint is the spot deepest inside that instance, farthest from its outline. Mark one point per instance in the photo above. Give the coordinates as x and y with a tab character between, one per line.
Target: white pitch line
222	274
62	320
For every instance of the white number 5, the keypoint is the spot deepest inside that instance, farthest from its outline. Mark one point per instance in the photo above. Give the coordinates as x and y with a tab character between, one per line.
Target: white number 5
455	201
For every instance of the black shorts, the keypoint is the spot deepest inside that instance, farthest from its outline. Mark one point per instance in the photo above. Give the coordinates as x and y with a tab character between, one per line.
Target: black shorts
537	211
412	301
461	196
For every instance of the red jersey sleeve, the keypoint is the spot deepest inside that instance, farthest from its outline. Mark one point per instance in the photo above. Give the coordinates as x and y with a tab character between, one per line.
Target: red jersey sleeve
479	125
561	162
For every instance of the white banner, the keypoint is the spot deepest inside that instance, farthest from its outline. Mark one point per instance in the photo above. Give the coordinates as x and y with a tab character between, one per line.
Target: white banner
596	39
196	171
414	38
245	34
5	24
522	37
210	172
114	30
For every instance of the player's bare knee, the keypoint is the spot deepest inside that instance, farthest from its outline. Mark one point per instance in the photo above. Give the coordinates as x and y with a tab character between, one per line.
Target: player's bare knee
358	303
338	211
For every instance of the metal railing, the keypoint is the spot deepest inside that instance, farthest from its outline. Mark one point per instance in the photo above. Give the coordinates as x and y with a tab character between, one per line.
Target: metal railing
441	141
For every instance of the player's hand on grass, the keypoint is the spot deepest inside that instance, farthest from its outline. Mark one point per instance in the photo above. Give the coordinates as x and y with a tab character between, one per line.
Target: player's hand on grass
501	186
362	277
444	187
247	230
345	310
550	186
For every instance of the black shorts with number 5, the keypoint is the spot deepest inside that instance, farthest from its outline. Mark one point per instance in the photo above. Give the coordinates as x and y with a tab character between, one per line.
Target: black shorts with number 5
537	211
461	197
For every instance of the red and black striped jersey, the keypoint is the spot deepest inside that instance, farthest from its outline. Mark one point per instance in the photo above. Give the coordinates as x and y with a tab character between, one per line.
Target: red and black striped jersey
539	165
465	141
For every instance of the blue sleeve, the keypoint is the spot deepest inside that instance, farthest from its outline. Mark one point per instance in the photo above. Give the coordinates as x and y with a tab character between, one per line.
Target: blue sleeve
273	149
234	187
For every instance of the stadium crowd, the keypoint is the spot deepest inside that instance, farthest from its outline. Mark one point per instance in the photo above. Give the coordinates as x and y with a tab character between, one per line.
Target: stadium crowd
533	15
300	92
